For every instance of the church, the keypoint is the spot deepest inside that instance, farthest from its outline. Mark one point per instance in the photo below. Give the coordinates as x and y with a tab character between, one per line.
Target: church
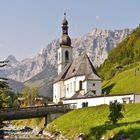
77	78
78	83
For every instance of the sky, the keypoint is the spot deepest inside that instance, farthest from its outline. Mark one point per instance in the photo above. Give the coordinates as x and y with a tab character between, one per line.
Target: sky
27	26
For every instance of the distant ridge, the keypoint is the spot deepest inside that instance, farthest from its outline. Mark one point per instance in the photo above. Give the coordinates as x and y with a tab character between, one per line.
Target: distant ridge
96	44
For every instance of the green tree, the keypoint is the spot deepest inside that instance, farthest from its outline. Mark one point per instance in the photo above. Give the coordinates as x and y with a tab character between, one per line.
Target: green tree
3	87
115	112
29	94
7	97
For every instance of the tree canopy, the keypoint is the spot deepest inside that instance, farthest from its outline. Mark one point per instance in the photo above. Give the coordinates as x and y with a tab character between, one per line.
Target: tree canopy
126	52
7	97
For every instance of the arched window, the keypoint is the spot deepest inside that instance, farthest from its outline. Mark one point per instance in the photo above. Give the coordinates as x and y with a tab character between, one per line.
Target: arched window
59	56
80	85
66	55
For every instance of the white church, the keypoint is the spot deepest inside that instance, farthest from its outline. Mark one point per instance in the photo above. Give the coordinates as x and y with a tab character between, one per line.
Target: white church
77	81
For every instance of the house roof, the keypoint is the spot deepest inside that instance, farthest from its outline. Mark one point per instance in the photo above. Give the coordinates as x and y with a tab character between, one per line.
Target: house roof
80	66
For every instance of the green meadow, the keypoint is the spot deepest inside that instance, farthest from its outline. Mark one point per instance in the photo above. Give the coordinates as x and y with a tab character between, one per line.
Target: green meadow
92	122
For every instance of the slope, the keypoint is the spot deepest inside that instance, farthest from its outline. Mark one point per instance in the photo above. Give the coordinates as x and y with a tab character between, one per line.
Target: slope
127	52
91	122
125	81
43	81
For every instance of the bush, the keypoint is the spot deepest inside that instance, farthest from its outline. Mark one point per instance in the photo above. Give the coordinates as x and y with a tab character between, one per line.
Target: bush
115	112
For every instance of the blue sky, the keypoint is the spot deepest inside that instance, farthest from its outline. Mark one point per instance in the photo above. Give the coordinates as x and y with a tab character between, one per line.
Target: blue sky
27	26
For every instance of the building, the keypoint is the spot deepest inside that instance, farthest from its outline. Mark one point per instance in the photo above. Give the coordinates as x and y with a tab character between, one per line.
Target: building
76	77
78	83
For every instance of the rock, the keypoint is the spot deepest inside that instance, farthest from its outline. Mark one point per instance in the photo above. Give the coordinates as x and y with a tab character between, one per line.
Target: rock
46	133
26	129
1	134
123	137
36	131
80	137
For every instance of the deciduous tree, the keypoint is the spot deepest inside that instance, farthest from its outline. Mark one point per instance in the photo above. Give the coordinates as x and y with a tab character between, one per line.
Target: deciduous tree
115	112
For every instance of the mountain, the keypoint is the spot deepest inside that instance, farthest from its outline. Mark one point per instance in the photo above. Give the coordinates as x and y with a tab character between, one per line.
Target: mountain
127	52
12	59
43	81
15	85
96	44
121	71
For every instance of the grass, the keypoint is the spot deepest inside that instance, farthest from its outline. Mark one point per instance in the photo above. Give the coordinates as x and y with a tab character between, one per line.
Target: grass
39	122
91	122
126	81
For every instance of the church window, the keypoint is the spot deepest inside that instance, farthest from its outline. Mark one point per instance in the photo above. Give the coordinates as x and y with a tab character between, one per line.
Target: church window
59	56
80	85
67	88
66	55
73	70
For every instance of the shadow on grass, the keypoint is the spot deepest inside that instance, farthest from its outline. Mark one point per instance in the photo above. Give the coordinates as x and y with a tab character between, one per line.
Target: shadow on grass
108	89
106	84
132	133
97	132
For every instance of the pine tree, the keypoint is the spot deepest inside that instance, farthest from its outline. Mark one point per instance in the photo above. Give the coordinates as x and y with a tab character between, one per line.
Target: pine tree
3	85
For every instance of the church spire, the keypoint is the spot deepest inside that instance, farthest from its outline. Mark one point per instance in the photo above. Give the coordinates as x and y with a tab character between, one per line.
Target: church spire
65	39
65	25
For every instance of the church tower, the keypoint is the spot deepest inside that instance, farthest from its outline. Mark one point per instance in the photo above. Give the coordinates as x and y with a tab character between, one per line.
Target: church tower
65	48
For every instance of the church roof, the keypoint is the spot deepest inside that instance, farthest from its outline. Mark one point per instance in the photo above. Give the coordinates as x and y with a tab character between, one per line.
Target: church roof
62	75
79	67
77	95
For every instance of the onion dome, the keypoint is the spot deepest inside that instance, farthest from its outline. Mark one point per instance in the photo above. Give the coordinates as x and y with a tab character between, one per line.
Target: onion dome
65	39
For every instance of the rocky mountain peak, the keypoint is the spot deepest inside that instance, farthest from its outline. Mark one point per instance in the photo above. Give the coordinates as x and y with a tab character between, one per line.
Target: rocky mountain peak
12	59
96	44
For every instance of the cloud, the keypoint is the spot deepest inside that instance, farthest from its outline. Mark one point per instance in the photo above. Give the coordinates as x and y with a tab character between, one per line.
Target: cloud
97	17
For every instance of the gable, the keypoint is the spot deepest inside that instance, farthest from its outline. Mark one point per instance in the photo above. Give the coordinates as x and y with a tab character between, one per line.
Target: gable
80	66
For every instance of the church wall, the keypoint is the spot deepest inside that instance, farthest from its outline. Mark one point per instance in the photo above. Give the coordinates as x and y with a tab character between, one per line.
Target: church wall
78	79
58	91
99	100
92	85
55	93
61	57
72	85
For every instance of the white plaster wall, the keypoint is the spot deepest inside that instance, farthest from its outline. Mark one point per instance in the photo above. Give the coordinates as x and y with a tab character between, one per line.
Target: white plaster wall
55	93
137	98
78	79
62	62
98	100
58	93
73	85
88	86
61	89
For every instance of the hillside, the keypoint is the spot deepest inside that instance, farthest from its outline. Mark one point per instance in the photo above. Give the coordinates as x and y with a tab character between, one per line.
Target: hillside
125	81
127	52
91	122
43	81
